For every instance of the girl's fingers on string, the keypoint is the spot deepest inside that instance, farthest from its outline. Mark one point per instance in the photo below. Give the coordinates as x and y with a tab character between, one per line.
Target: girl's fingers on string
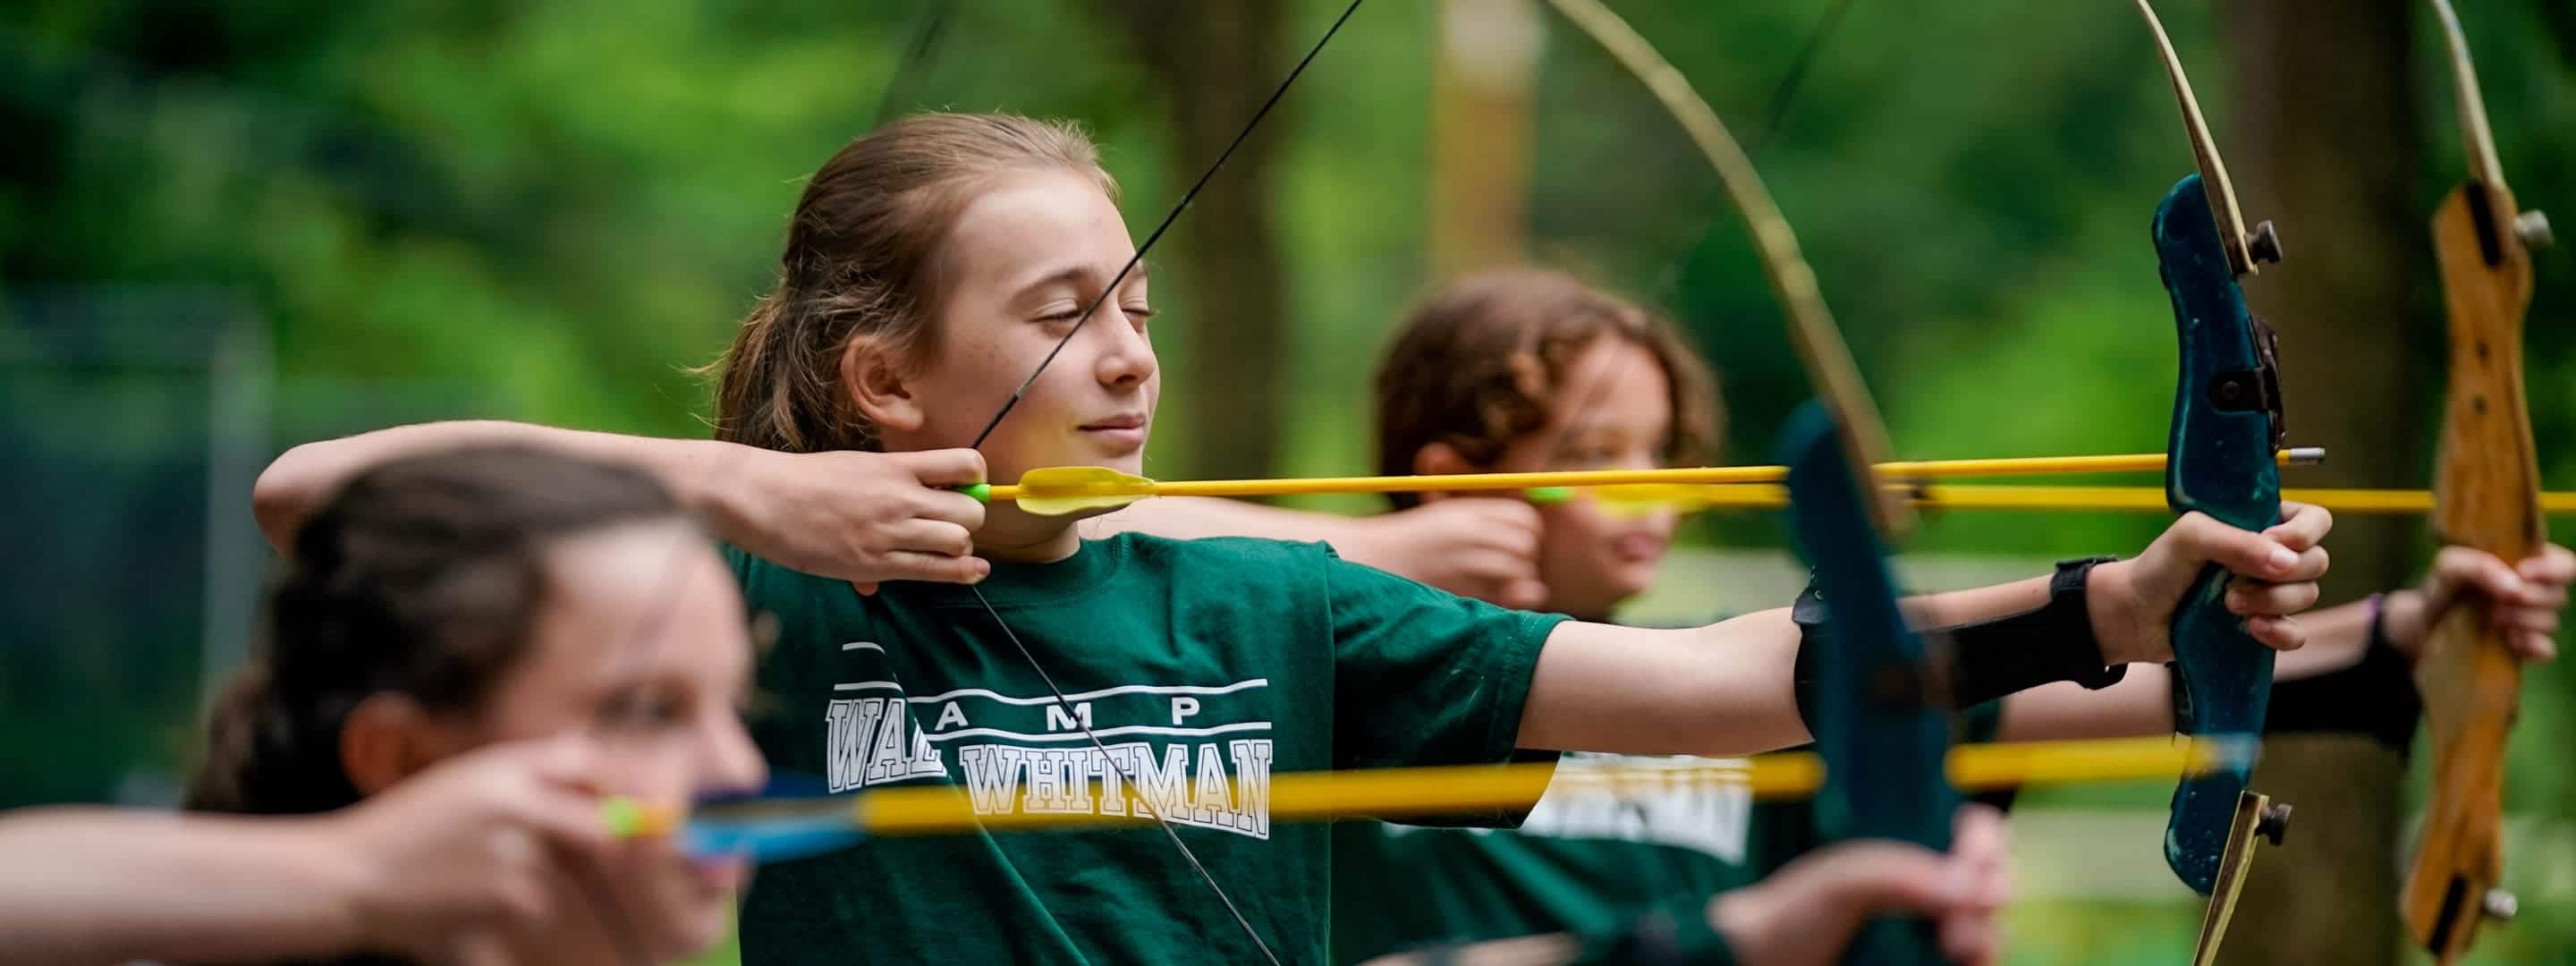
948	506
942	467
569	819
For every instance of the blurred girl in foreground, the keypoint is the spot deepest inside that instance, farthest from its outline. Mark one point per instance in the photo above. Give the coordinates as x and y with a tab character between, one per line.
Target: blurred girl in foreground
468	650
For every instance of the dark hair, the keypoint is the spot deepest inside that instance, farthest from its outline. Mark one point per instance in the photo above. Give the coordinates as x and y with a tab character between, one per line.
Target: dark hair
422	577
861	263
1481	362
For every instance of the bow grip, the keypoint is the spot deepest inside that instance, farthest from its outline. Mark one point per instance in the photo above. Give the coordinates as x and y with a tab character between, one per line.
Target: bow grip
1881	723
2226	427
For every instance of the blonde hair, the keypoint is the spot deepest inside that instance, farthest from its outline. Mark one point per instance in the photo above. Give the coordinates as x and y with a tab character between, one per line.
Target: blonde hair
860	264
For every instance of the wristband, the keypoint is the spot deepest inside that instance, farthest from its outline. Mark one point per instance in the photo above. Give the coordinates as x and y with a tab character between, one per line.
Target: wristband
2022	651
1989	659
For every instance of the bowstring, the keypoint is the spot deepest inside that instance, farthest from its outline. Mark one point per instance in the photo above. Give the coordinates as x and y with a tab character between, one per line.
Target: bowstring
1776	117
1168	218
1161	820
926	35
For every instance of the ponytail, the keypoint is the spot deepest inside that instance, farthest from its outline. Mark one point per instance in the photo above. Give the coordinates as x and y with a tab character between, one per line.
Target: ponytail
422	578
258	760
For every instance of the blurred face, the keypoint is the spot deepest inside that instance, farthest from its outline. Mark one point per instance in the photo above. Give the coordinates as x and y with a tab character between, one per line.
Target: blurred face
1615	412
643	643
1028	254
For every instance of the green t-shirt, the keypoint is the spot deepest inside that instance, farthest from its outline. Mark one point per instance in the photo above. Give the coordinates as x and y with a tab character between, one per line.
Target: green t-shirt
1194	662
1582	863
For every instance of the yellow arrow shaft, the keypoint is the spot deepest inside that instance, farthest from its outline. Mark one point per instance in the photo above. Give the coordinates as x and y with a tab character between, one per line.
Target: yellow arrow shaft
1472	482
1449	790
2142	499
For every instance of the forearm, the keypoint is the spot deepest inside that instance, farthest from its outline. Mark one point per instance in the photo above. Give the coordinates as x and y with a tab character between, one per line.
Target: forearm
1191	518
98	886
2141	704
291	488
2338	637
1725	689
1976	605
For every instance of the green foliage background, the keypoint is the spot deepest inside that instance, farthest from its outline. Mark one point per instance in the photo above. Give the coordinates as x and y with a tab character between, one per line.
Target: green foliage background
548	212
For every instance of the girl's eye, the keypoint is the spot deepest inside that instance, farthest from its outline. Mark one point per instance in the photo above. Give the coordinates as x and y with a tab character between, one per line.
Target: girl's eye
641	708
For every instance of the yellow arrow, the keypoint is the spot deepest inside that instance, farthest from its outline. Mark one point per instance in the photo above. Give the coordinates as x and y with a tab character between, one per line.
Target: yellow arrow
1059	490
1640	499
1459	789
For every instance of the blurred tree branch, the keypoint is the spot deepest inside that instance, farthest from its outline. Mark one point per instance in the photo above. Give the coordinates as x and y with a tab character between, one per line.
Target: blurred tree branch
1215	63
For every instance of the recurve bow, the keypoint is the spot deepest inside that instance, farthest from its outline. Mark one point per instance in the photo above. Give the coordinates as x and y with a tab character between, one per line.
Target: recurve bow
2226	417
1881	718
2487	496
1881	715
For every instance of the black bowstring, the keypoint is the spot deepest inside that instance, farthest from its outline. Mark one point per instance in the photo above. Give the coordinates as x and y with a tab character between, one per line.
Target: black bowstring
1174	215
925	39
1160	820
1796	75
1776	117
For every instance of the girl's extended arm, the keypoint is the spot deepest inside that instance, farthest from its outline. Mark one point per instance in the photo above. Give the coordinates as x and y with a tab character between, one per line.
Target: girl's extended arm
117	886
2527	599
858	516
474	847
1729	688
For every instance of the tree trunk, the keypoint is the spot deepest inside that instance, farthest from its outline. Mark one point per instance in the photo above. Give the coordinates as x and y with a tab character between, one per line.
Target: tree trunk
1481	94
1217	62
2324	140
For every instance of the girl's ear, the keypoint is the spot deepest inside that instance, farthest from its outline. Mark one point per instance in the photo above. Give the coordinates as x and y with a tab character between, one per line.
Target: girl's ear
874	378
388	738
1439	459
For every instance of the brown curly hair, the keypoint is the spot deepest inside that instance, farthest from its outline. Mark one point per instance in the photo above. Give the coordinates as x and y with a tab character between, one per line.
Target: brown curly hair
1480	363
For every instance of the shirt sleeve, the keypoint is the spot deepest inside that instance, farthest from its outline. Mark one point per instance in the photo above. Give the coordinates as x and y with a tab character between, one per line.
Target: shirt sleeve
1426	677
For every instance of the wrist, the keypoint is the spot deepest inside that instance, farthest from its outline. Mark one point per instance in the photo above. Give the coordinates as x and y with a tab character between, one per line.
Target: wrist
711	483
334	854
2401	622
1377	541
2111	605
